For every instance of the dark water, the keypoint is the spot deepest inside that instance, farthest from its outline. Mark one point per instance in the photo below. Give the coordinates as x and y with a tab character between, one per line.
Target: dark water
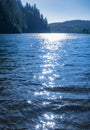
45	82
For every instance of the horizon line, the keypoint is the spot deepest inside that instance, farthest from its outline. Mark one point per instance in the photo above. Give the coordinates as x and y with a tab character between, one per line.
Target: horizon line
68	20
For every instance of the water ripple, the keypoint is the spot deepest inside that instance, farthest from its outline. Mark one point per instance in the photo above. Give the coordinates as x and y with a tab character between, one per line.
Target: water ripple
45	82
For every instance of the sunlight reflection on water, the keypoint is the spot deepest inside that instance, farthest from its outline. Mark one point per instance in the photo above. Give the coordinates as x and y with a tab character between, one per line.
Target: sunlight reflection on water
51	45
46	122
41	93
53	37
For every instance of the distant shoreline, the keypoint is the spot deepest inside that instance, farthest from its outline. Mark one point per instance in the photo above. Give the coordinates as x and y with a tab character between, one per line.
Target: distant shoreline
73	26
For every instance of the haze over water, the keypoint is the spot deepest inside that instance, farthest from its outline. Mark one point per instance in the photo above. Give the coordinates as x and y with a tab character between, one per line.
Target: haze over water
45	82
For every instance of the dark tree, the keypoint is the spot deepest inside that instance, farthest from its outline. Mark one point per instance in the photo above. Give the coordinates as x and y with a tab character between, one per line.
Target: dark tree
15	18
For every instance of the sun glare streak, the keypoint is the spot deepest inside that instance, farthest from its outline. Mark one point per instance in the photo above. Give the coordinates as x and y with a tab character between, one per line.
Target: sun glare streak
51	44
53	37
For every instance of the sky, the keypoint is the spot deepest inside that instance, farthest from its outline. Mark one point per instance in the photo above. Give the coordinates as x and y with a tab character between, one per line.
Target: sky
62	10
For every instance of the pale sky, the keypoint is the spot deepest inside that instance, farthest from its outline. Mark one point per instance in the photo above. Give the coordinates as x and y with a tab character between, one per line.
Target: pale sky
62	10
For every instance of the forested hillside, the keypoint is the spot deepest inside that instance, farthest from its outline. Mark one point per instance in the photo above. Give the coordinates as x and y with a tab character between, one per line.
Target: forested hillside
74	26
16	18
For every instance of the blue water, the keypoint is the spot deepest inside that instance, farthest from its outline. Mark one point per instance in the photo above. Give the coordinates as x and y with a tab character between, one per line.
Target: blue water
45	82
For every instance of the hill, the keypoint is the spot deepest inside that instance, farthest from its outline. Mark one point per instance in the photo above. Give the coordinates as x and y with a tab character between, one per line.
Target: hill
74	26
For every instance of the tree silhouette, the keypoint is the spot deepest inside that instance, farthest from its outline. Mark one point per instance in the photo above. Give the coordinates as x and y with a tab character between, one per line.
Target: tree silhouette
15	18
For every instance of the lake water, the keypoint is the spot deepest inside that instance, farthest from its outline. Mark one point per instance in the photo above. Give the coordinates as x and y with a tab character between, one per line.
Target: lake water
45	82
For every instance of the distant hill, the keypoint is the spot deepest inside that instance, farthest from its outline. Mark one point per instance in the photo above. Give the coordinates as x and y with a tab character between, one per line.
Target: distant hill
74	26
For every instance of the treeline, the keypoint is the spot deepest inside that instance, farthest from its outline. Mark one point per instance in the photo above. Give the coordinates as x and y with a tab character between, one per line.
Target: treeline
16	18
87	31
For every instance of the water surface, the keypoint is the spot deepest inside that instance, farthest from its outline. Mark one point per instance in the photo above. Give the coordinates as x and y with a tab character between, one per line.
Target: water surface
45	82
